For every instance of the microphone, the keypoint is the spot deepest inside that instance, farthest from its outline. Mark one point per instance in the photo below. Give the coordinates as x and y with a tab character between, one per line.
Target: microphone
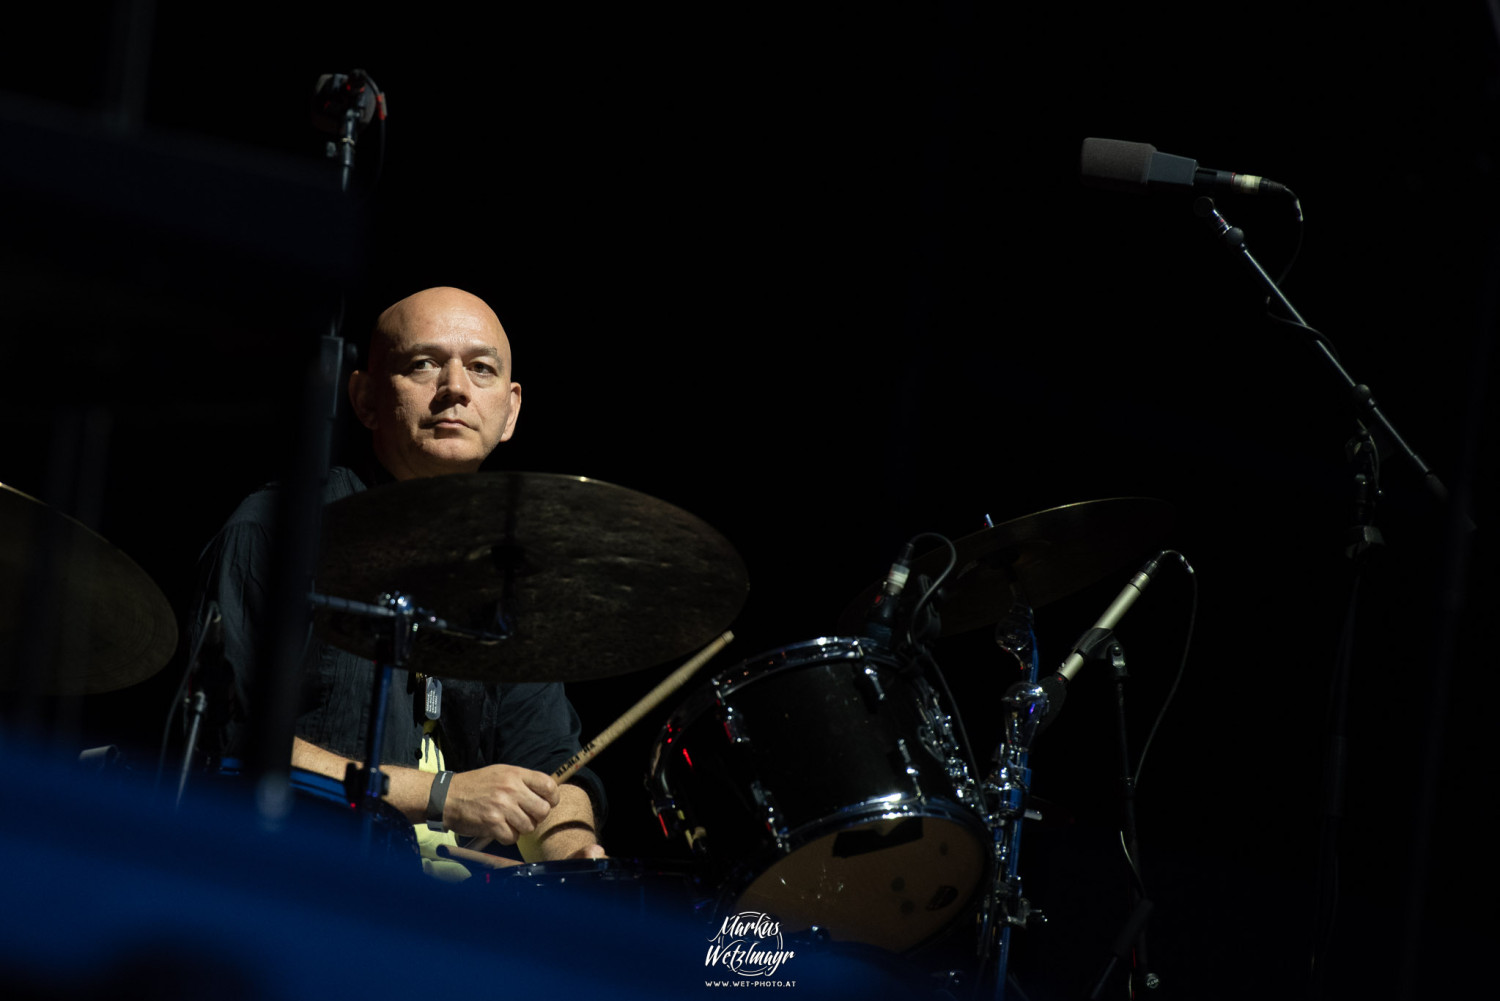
1114	613
880	619
337	95
1134	167
1055	685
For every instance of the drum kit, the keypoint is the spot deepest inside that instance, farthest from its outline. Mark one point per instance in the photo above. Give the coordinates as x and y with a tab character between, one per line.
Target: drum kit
827	783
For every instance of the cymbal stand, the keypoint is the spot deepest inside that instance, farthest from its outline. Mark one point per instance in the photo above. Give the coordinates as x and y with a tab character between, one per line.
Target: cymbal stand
197	705
192	697
366	784
1025	705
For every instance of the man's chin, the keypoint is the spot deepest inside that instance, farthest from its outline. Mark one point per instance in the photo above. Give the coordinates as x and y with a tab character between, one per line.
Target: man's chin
438	458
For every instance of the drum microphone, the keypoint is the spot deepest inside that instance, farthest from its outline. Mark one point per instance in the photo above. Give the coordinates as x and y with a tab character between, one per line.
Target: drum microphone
1135	167
880	619
1056	685
1113	614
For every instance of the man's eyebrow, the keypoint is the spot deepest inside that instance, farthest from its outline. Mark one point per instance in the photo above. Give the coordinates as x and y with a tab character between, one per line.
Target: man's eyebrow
473	350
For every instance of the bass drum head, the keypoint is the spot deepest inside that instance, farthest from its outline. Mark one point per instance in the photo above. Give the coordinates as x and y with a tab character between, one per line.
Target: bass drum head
890	882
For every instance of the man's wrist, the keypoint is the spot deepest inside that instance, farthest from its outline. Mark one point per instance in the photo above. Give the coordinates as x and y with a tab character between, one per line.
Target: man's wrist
437	798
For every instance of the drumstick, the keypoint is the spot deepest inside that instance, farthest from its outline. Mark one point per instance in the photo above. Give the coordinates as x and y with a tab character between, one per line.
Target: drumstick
668	685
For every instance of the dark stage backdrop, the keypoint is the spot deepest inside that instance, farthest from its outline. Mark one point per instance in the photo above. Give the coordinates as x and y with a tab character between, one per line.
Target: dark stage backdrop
825	277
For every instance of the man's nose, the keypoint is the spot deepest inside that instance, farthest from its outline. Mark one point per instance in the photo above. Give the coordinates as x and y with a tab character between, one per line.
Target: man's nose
453	382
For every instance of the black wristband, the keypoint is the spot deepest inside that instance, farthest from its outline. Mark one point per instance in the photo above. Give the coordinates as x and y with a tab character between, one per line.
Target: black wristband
435	800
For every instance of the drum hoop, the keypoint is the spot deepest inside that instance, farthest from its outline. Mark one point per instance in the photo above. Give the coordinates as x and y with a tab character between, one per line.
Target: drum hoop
605	868
823	650
740	875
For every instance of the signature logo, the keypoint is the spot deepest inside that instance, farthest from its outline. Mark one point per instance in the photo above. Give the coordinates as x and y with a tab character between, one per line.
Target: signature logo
748	944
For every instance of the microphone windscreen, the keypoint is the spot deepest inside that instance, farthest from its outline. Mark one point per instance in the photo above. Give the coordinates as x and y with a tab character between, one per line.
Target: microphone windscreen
1115	164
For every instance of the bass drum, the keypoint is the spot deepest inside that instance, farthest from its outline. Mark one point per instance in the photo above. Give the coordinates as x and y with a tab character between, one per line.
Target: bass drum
820	785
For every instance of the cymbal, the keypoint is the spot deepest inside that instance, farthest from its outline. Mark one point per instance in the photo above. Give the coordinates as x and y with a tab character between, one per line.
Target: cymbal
77	616
593	580
1047	555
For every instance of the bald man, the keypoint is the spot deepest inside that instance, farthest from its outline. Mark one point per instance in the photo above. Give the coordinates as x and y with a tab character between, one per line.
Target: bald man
437	396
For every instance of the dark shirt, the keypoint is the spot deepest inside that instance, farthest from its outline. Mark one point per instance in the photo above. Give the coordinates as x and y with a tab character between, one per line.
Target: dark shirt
529	724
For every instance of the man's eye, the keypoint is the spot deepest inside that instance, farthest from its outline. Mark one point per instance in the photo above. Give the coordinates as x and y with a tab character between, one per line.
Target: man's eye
487	369
420	364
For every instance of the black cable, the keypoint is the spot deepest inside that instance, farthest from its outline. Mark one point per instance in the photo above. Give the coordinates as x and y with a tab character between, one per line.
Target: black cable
1297	248
1317	335
933	587
923	656
1135	780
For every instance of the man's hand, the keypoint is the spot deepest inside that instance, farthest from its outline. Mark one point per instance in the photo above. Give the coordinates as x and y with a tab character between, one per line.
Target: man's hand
515	806
502	802
568	832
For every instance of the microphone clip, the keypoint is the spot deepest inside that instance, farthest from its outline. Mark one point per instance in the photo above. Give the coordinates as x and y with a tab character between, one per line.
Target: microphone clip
1099	646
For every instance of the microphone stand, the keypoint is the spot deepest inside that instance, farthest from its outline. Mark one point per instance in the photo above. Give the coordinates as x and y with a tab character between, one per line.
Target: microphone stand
1097	644
1362	541
1359	394
342	104
1101	644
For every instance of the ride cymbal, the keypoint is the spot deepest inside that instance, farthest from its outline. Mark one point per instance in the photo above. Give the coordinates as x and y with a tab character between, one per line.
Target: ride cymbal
587	579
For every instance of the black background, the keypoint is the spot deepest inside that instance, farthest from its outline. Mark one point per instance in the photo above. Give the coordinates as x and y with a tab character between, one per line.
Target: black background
825	277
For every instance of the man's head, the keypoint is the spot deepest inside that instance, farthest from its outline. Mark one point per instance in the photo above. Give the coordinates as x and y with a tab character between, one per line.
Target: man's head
438	395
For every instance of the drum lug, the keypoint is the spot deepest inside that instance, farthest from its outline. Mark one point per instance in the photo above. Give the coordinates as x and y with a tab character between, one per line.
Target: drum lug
734	723
877	691
912	771
774	818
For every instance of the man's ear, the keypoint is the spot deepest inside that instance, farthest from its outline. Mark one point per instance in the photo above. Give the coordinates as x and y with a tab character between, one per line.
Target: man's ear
361	394
515	411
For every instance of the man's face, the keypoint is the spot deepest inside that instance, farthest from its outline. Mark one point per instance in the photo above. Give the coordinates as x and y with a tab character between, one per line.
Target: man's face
438	397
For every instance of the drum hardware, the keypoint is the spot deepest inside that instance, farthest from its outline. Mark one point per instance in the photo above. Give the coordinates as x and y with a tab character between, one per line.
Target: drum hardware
774	819
912	771
1024	706
733	722
192	699
197	705
398	621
